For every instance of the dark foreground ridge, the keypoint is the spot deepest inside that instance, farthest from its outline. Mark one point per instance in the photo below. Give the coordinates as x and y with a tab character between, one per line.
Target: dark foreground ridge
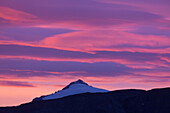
120	101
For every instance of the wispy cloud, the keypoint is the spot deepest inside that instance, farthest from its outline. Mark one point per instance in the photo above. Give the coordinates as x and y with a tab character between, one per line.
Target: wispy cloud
13	15
15	83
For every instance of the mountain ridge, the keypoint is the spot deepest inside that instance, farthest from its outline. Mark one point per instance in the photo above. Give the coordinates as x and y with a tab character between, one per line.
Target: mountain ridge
119	101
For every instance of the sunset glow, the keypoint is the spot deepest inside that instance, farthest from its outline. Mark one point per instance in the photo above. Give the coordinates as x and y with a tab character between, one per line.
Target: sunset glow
111	44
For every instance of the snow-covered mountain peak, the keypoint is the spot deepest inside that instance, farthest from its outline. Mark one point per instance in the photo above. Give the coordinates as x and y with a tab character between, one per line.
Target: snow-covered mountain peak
76	87
79	81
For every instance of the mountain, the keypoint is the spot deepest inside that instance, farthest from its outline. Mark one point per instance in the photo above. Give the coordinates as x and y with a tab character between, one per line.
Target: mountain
76	87
119	101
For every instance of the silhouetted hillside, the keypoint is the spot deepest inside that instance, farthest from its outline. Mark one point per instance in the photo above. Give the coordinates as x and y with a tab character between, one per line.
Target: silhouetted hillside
120	101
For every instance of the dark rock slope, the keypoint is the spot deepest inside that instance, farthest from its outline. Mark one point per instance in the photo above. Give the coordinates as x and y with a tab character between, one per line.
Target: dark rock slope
121	101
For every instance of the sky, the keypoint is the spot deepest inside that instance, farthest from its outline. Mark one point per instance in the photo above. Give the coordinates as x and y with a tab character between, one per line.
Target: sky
110	44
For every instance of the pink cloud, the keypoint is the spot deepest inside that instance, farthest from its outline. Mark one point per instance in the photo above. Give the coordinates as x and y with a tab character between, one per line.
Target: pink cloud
165	58
107	40
13	15
160	7
77	15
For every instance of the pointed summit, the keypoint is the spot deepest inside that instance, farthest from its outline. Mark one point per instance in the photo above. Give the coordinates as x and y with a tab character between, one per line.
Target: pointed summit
79	81
76	87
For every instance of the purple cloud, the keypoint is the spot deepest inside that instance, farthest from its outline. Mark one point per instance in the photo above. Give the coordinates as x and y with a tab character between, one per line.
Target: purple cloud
28	68
15	83
62	55
78	13
30	34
